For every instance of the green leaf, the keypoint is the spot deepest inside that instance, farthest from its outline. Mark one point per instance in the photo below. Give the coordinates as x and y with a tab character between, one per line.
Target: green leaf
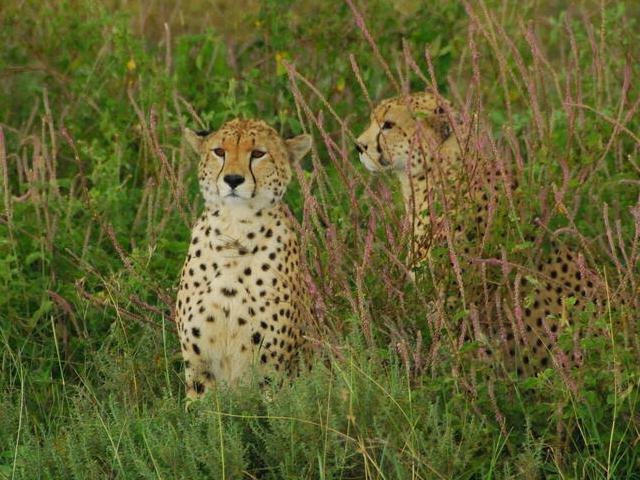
34	257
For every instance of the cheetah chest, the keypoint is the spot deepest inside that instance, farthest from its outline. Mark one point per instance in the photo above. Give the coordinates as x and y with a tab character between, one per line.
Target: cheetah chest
238	304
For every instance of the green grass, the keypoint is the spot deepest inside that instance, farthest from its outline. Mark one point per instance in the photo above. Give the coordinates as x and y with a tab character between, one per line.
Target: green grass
99	192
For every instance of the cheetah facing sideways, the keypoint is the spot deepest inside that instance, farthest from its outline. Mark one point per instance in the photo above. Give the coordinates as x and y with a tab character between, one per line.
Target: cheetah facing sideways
411	135
241	305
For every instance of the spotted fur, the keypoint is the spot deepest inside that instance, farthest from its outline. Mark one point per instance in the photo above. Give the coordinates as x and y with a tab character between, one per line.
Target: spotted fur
241	307
413	136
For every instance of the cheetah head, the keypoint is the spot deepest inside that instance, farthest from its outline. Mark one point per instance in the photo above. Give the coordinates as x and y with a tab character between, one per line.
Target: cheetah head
245	162
403	128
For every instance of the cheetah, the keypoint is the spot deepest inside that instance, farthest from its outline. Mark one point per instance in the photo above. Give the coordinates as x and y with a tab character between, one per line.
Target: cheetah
241	307
420	138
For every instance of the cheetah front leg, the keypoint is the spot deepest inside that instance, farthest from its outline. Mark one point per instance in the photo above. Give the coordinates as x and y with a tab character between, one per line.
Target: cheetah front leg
198	381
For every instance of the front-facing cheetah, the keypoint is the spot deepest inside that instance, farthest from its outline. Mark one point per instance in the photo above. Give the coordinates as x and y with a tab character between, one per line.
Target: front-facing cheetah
241	305
413	136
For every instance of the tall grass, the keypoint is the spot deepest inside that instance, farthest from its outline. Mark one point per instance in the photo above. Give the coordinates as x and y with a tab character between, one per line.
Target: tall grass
99	193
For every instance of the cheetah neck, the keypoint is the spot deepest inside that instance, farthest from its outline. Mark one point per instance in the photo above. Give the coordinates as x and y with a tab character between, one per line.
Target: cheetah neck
428	188
235	221
416	202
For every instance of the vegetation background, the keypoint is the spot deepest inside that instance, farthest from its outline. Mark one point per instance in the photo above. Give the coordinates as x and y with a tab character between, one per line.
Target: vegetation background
99	192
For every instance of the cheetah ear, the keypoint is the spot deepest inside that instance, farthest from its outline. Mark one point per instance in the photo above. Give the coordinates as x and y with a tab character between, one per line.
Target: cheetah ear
195	138
441	123
298	147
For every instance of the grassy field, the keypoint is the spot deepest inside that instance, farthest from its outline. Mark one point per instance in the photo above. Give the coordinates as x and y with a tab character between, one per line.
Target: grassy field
99	192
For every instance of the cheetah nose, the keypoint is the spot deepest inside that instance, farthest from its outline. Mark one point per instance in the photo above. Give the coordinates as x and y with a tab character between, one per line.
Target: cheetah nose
359	148
233	180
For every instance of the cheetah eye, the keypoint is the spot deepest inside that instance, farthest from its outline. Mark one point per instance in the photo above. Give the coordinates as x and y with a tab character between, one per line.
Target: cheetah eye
219	152
387	125
257	153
